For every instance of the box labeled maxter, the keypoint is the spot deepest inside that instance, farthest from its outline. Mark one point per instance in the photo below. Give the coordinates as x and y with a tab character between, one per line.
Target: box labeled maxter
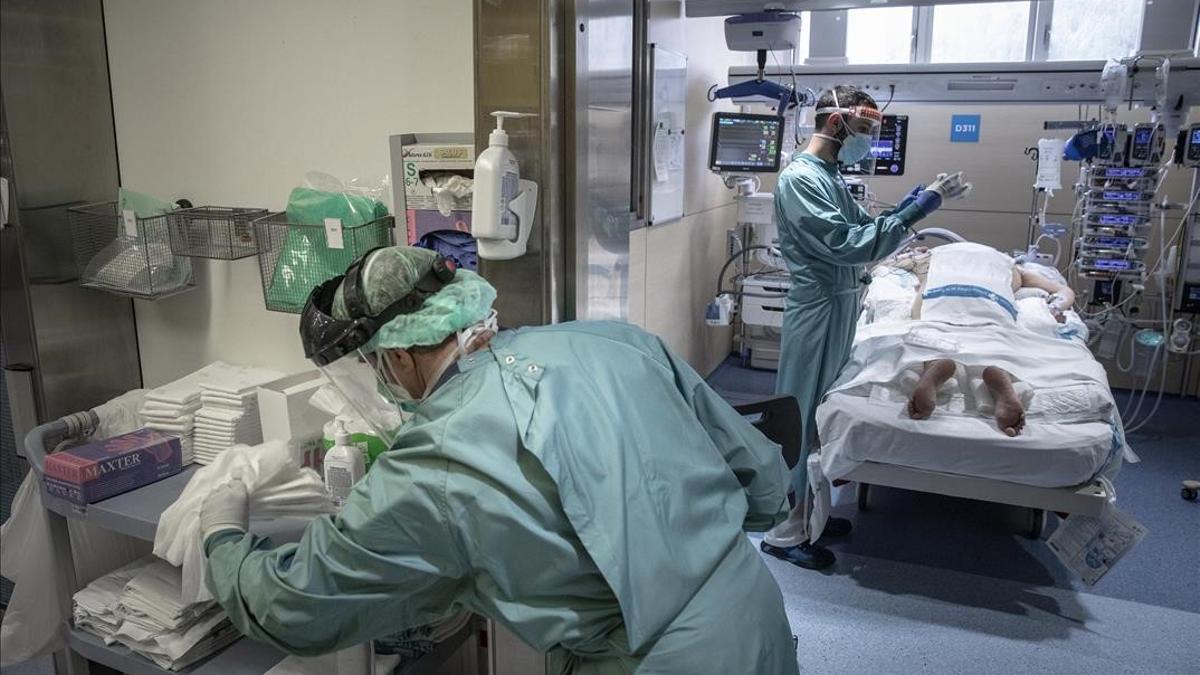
102	469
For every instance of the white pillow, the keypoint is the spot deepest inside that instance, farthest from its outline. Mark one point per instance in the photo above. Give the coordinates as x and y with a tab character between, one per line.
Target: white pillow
890	295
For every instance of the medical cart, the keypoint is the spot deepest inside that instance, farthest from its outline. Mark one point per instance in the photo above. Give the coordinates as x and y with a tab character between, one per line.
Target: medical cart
136	514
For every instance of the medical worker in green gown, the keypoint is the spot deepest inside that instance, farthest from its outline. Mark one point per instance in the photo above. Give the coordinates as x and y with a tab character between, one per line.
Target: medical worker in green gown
827	239
578	483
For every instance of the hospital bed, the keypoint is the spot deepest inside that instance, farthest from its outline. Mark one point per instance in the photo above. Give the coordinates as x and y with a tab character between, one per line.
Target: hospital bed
1063	460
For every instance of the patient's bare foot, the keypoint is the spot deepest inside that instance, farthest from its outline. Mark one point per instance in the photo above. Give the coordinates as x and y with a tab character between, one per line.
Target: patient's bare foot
1010	414
924	398
923	401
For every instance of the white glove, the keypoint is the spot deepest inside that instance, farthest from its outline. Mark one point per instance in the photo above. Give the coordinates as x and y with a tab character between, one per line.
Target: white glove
227	507
950	186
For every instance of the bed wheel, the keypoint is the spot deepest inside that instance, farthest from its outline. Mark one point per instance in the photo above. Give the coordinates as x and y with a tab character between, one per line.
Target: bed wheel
863	491
1037	525
1190	490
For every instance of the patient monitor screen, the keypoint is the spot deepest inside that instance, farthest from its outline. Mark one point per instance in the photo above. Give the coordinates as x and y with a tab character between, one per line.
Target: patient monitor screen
742	142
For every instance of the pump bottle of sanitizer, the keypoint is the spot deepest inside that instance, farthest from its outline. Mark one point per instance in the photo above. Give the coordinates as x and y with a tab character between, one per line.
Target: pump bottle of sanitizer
497	184
344	466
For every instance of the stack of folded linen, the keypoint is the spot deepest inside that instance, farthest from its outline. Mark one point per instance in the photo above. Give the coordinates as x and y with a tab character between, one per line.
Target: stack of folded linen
159	625
171	409
141	607
96	606
229	412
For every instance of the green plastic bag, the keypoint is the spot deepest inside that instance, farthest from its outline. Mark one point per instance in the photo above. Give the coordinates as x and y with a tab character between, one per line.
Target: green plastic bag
305	261
142	205
308	206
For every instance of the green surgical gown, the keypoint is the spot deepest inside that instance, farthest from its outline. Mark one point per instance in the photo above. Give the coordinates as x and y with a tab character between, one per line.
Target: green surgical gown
826	238
579	484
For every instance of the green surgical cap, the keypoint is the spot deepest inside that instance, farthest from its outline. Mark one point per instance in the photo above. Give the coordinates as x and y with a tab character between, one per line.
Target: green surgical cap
390	274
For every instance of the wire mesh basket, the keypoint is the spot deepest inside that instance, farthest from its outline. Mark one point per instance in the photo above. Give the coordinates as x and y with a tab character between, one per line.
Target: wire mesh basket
127	255
294	259
218	232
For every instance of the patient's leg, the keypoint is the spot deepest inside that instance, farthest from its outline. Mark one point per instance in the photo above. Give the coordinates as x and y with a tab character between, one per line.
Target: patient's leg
924	398
1010	414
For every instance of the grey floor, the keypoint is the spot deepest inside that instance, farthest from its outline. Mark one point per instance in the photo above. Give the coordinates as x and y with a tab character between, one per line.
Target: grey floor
931	584
871	615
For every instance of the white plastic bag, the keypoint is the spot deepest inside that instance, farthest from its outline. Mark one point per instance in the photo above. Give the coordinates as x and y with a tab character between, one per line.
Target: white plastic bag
34	617
279	488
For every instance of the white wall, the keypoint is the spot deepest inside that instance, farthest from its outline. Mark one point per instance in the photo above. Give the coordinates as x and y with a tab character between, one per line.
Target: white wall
229	103
674	265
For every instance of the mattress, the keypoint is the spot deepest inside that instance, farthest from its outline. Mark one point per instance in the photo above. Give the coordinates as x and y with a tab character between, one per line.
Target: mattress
856	429
1073	431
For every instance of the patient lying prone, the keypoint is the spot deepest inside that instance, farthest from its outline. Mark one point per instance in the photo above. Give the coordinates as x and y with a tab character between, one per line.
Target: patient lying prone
969	284
1010	414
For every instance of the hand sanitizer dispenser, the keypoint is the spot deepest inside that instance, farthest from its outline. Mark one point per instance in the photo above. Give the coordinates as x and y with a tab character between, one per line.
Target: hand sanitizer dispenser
503	205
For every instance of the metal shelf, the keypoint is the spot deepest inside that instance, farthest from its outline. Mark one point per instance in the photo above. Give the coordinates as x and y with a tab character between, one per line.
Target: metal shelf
134	513
244	657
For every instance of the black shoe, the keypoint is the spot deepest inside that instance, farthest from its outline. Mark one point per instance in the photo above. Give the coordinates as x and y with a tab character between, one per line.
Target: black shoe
836	527
807	555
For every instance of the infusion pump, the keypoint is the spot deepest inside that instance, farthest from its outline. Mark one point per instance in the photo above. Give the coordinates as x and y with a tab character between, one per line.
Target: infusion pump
1190	144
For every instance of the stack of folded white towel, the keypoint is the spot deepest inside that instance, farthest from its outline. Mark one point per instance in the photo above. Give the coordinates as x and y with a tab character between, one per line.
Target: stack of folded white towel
210	409
228	415
141	606
172	409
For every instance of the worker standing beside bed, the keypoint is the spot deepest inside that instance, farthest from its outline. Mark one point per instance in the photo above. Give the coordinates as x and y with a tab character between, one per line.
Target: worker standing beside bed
826	238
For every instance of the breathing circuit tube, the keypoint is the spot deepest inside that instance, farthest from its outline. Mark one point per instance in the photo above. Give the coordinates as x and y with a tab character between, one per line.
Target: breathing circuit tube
938	232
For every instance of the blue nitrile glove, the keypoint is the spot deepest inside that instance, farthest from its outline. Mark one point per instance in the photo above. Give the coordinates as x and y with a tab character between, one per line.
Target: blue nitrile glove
910	197
928	201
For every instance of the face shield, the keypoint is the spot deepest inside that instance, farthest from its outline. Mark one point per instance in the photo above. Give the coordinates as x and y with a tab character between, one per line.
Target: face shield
860	127
342	348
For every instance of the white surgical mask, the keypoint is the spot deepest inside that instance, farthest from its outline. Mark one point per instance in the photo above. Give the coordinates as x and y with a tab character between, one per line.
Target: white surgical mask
855	148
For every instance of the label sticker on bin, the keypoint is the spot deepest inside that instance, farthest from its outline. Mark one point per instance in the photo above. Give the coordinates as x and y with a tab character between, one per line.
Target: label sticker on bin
129	220
333	233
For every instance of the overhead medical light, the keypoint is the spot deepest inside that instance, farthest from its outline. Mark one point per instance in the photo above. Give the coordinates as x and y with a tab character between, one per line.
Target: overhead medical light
761	32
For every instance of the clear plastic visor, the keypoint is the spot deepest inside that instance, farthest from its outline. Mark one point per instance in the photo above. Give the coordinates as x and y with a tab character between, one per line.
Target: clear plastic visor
860	120
369	392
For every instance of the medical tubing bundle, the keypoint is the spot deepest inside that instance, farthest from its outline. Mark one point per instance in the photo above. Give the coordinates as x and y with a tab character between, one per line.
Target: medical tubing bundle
918	235
1158	349
1130	414
1132	410
732	259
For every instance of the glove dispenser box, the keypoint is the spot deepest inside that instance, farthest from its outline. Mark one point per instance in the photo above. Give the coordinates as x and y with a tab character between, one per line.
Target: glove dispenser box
432	181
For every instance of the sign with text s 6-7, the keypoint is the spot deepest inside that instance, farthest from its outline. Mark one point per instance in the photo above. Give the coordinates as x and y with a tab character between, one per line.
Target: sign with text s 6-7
964	128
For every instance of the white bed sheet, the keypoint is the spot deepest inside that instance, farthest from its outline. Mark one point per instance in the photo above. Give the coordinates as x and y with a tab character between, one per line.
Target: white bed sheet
1073	430
861	429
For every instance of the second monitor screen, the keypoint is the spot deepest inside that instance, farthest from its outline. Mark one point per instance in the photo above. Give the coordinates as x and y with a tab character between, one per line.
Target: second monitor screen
742	142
